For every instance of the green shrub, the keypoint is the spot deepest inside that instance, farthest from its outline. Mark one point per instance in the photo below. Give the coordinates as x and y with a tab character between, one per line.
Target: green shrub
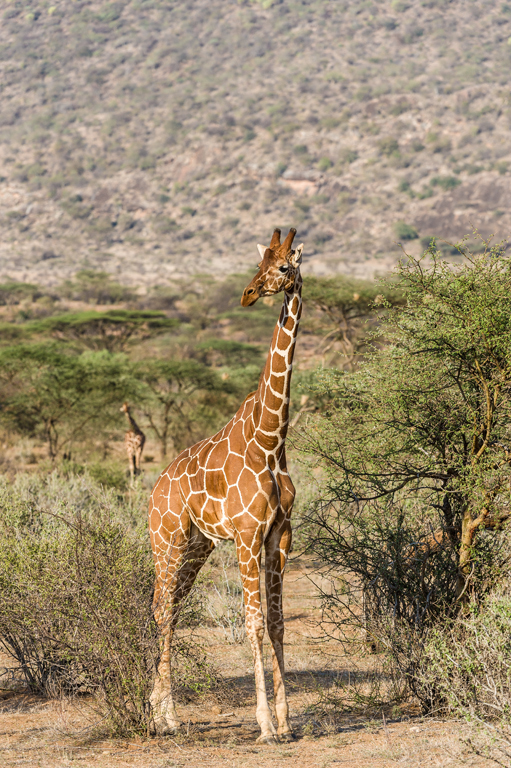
348	156
405	231
469	660
76	588
404	186
324	163
445	182
417	145
388	146
412	521
164	225
400	107
109	476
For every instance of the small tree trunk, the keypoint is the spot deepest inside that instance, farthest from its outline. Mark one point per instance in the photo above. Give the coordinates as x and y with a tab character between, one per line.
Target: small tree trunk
52	437
469	528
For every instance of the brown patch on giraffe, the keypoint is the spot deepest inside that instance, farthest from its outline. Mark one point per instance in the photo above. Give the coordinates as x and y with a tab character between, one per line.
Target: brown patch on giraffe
234	500
295	305
233	469
216	458
268	442
185	485
277	383
280	365
216	483
248	430
284	343
272	401
235	435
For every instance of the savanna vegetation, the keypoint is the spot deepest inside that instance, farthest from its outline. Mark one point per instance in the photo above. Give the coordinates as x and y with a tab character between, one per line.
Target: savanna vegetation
151	135
410	522
400	442
76	569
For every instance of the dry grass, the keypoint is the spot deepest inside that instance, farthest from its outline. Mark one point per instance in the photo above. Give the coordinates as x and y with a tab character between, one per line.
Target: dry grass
220	729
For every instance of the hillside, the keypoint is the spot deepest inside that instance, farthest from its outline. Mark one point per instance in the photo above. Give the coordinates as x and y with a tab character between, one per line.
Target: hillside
157	139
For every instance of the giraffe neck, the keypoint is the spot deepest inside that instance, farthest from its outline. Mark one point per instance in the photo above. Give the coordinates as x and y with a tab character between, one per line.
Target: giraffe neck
271	414
133	424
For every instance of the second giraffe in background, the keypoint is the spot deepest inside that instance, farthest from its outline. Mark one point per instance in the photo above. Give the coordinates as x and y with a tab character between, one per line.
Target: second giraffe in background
134	440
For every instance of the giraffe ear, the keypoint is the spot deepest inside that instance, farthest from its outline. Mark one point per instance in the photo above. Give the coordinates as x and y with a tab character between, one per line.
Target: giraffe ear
296	256
262	250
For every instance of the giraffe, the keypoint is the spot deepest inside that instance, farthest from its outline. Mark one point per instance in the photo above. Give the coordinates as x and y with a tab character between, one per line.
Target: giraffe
235	485
134	440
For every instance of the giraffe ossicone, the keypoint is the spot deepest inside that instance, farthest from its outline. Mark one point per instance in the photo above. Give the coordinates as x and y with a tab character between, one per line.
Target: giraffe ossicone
235	485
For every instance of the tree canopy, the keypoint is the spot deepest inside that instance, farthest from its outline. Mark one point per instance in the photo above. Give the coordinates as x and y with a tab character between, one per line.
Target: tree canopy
111	330
428	418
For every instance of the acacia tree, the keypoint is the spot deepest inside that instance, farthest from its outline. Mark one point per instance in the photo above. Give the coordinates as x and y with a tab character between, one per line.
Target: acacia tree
347	316
182	400
58	397
112	330
425	422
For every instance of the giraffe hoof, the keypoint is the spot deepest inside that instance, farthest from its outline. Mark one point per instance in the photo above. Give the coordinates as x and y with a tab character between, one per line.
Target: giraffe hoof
270	740
163	728
286	737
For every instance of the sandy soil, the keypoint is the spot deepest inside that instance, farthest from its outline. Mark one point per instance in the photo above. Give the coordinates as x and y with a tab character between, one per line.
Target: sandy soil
221	730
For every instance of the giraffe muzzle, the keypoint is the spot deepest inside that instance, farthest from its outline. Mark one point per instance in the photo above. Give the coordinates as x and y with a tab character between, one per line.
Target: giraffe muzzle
250	296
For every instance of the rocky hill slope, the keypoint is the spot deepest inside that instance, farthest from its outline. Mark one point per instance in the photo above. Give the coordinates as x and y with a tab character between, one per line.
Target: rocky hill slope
156	138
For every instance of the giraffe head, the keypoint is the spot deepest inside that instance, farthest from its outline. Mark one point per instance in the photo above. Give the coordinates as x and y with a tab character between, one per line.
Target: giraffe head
124	408
277	271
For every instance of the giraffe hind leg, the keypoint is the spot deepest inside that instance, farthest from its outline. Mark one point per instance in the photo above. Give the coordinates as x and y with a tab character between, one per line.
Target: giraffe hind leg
277	547
248	548
173	583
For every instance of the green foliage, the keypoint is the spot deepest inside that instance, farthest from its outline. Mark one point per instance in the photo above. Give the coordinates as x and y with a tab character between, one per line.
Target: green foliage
346	306
348	156
76	589
94	288
109	476
219	352
427	418
57	397
112	330
414	449
405	231
388	146
445	182
324	163
181	401
14	292
404	186
468	660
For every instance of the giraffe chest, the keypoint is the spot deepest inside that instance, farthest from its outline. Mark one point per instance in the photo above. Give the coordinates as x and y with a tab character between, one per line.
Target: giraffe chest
222	494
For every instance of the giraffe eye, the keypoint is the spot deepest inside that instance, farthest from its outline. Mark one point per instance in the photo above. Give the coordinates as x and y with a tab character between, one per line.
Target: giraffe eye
284	268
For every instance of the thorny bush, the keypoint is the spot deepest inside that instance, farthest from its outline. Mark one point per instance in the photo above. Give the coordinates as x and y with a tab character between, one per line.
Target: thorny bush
76	589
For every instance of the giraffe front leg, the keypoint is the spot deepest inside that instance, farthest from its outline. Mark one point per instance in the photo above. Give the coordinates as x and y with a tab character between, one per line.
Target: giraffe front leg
249	560
175	578
138	461
277	548
165	718
131	462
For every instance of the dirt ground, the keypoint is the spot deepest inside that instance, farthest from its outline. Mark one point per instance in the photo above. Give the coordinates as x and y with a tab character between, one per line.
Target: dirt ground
221	730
